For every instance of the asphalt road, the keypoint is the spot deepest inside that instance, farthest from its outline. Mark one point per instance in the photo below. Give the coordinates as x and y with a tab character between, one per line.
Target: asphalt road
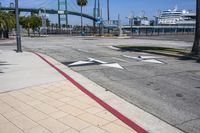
170	91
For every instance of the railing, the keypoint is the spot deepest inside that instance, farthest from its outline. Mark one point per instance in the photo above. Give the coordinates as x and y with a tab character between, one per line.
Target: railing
158	30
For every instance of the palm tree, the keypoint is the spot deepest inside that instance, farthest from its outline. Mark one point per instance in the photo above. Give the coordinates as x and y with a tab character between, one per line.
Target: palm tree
7	22
2	23
25	22
196	45
82	3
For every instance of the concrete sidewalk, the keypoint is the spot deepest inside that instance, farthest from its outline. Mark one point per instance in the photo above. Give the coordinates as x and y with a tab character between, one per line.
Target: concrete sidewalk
36	97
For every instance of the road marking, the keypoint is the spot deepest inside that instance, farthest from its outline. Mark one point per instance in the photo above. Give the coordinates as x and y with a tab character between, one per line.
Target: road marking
79	63
119	59
153	61
81	50
135	58
98	61
114	65
148	59
92	61
114	48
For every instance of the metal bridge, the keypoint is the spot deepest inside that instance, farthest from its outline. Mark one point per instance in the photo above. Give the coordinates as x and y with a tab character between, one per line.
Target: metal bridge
48	11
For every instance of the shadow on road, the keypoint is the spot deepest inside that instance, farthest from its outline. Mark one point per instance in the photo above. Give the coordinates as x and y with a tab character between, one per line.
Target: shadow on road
180	54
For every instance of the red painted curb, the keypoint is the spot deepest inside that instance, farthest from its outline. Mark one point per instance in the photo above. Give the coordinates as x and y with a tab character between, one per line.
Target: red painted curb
98	100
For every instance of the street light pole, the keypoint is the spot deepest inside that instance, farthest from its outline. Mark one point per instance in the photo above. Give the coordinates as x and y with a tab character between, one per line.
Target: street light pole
108	9
99	15
18	36
94	14
66	9
108	13
59	23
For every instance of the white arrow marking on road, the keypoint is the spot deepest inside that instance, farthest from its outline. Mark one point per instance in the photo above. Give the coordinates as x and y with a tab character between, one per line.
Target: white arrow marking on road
92	61
147	57
135	58
153	61
82	50
95	60
114	65
114	48
81	63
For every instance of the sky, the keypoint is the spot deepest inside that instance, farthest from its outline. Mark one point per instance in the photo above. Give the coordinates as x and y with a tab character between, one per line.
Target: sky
122	7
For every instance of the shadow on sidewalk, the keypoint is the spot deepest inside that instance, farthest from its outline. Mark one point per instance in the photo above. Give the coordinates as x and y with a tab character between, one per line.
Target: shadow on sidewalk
3	63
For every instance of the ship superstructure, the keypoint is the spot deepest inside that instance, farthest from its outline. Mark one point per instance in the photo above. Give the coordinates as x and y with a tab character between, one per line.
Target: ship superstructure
176	17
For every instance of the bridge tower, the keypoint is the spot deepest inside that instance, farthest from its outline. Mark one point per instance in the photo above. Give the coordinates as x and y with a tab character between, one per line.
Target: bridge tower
62	12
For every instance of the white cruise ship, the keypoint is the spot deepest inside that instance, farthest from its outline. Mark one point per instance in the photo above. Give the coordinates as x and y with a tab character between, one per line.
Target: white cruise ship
176	17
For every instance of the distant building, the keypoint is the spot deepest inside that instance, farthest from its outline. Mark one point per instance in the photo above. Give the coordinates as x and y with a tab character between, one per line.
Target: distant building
141	21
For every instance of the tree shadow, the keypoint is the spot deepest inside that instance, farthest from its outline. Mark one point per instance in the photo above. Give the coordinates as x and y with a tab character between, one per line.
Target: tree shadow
189	57
7	44
3	63
180	54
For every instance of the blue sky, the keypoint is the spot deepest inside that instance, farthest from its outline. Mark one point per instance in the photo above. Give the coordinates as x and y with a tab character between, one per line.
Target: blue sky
122	7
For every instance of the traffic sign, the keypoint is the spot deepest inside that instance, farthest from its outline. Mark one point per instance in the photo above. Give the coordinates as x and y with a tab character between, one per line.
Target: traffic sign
61	12
99	20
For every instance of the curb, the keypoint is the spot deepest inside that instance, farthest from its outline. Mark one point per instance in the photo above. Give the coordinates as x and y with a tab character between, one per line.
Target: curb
116	113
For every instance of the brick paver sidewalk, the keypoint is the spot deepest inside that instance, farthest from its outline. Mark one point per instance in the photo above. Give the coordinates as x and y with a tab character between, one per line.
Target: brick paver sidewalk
57	107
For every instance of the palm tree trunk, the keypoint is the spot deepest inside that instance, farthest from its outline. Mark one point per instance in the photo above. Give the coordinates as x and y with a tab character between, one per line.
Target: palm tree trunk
39	32
1	34
28	32
7	34
1	31
196	45
81	19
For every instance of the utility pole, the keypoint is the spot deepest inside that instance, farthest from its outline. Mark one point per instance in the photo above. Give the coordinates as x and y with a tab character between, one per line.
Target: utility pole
120	26
99	15
94	14
18	36
108	13
59	24
108	9
99	8
66	10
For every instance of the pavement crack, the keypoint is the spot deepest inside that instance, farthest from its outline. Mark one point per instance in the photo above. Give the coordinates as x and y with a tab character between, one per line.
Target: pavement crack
182	123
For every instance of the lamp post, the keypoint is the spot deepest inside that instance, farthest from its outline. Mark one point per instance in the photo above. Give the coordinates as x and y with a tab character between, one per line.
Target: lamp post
59	23
99	15
18	36
66	9
94	14
108	13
